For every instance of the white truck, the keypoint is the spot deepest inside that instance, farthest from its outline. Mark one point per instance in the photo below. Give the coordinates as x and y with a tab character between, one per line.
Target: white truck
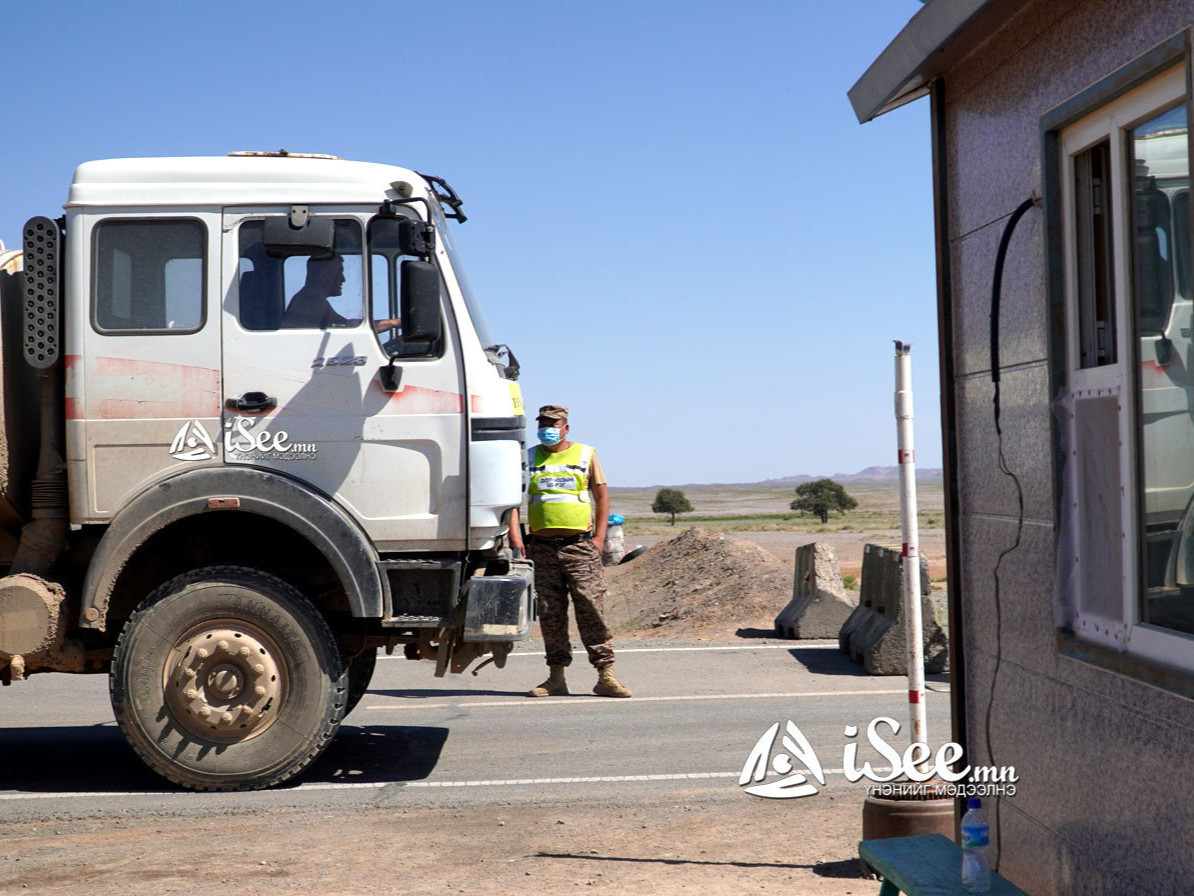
253	429
1161	285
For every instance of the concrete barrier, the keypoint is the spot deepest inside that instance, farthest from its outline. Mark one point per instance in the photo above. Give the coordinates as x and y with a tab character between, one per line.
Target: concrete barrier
820	602
874	633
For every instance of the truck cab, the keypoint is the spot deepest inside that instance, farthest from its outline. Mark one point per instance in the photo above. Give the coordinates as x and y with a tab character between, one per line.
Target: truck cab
271	419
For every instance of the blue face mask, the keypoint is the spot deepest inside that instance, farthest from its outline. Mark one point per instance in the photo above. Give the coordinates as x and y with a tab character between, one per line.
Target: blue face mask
549	435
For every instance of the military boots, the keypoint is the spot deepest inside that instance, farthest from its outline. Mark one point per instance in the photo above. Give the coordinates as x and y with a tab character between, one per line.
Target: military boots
608	686
555	686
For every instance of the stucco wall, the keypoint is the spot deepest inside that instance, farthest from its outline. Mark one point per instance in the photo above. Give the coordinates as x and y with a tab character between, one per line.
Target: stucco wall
1106	791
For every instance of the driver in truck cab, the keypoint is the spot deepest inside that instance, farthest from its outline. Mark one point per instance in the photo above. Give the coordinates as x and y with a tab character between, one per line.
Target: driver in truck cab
311	308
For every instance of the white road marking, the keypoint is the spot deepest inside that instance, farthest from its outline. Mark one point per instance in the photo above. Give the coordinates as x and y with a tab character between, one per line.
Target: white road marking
80	795
612	779
593	701
522	782
378	785
620	650
712	647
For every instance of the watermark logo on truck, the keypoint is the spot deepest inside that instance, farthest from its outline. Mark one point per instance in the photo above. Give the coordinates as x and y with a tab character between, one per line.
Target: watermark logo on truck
240	443
912	765
192	443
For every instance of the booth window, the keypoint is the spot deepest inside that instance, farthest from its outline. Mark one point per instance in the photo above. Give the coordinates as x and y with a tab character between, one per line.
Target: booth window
1126	546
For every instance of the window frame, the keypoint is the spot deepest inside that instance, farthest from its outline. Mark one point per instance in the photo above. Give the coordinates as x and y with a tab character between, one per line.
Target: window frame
205	279
339	217
363	218
394	283
1157	81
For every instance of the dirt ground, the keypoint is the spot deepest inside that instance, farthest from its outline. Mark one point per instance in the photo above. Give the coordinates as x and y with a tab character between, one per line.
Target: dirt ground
722	584
877	520
724	849
698	584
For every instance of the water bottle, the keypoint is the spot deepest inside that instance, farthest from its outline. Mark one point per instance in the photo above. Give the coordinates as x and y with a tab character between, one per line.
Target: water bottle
614	548
976	863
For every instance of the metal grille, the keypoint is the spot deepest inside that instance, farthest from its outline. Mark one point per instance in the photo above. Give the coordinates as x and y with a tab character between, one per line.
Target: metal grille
42	242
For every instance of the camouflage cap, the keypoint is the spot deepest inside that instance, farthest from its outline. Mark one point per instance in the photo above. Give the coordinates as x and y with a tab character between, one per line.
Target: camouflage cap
553	412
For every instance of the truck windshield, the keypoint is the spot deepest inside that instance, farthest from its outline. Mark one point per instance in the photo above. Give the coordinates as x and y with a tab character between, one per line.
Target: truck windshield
470	299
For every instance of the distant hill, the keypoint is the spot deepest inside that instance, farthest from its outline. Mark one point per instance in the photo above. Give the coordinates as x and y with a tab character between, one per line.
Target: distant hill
870	474
890	474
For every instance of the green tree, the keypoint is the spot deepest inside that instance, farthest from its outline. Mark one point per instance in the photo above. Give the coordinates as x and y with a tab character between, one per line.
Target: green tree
821	497
670	500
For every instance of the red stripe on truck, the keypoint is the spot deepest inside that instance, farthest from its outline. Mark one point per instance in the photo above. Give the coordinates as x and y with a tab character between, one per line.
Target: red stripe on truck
131	389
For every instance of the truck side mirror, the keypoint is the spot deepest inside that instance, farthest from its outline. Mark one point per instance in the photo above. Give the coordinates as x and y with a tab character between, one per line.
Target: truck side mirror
282	238
421	320
415	237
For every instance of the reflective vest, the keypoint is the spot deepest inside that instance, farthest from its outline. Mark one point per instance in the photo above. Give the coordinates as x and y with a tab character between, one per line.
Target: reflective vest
559	488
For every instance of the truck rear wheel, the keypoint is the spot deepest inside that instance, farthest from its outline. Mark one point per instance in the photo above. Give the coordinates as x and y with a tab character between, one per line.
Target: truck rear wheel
227	678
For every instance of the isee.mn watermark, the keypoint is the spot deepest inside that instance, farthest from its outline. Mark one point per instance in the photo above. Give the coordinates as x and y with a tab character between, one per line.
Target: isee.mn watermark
240	442
913	766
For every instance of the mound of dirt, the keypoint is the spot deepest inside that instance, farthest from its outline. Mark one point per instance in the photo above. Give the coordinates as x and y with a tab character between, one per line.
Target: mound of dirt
698	584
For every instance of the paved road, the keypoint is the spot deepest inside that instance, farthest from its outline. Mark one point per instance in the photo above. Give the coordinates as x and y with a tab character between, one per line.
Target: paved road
418	741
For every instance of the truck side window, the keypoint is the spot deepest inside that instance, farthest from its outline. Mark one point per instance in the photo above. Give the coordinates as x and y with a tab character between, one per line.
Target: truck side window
385	290
149	276
301	292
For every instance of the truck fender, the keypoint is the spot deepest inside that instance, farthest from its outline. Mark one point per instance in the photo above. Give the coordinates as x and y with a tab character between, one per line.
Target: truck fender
311	514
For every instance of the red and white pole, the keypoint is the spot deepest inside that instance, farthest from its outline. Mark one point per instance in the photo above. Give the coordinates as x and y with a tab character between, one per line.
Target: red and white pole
913	624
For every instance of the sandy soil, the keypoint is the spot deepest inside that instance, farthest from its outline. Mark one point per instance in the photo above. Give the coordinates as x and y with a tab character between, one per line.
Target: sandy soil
741	846
876	520
698	584
847	545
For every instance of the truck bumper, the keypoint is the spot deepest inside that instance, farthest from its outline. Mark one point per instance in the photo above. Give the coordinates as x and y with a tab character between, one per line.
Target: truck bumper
501	607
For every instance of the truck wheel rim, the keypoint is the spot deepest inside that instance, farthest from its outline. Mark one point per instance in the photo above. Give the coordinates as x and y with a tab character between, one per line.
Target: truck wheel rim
225	681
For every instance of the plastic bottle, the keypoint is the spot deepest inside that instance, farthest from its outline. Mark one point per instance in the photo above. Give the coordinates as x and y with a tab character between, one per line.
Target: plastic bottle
614	548
976	863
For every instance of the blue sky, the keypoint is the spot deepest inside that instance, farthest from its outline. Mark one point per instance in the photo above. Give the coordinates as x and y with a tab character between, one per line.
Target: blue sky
676	221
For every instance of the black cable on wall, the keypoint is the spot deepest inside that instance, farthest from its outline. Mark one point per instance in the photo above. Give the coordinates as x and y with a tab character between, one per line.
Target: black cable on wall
996	295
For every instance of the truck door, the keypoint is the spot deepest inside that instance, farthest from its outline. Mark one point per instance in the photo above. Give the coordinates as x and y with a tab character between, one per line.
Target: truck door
143	378
303	391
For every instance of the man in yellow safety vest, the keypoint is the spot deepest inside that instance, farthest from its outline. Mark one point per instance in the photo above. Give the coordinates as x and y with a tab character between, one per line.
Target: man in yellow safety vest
566	485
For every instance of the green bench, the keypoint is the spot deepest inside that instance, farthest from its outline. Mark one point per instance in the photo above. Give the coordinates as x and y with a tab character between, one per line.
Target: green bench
925	865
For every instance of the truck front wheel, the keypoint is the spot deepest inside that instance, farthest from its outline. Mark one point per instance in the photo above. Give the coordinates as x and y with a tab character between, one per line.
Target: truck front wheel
227	678
360	673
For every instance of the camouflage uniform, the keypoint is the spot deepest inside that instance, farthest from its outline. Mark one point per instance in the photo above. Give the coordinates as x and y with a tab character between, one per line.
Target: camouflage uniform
576	569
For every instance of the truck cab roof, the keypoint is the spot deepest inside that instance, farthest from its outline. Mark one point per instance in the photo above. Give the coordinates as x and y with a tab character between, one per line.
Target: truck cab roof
242	179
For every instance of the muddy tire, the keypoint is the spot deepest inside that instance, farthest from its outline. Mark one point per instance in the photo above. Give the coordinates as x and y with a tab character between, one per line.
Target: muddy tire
360	673
631	555
227	678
